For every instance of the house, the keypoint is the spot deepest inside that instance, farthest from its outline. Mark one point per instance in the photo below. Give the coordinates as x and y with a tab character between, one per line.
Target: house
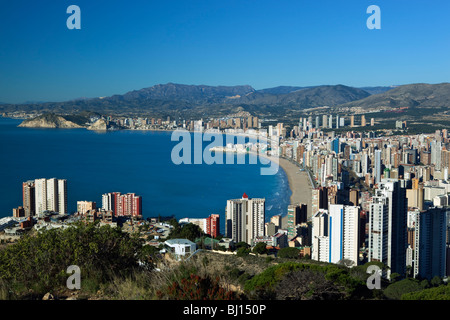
180	248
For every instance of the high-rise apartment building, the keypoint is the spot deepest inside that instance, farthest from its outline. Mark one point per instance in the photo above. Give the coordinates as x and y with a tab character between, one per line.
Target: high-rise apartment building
84	206
245	219
319	199
430	243
128	204
296	215
40	195
336	234
62	196
28	195
387	226
213	225
377	166
50	195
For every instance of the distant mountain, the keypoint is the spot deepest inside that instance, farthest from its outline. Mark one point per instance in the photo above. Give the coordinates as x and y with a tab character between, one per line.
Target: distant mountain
307	97
281	89
376	90
201	101
172	91
419	95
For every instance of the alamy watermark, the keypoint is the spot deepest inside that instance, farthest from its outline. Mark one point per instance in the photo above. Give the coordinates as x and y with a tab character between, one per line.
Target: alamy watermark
374	21
74	20
374	280
191	150
74	281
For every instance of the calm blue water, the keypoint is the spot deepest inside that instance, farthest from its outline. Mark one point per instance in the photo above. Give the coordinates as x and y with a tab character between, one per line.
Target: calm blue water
128	161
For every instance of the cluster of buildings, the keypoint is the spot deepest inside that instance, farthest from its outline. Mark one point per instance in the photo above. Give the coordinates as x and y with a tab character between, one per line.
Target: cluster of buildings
42	195
239	121
377	198
45	206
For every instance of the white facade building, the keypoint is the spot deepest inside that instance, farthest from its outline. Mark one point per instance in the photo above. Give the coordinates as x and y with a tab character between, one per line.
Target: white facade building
245	219
180	247
335	234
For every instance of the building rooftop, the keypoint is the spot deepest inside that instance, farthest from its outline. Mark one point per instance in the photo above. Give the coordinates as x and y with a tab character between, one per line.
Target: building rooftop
179	242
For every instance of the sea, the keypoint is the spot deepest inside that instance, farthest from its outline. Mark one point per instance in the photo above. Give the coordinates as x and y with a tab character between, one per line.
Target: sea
131	161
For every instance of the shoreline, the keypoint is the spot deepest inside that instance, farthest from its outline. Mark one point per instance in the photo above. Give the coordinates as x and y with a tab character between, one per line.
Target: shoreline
299	182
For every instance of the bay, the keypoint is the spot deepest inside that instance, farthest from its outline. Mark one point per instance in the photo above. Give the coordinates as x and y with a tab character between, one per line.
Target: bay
126	161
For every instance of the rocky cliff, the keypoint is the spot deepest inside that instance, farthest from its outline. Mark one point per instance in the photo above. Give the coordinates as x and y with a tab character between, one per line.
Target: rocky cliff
99	125
49	121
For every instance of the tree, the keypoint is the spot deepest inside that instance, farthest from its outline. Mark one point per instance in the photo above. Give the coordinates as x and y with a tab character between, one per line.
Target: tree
308	285
189	231
436	281
394	277
39	261
395	290
241	244
242	252
290	253
260	248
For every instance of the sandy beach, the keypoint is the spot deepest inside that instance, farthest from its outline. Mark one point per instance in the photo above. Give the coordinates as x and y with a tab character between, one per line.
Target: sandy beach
299	183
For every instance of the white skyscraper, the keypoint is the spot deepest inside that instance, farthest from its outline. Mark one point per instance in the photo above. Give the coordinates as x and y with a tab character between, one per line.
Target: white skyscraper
245	219
51	195
378	229
40	195
387	226
377	166
335	234
62	196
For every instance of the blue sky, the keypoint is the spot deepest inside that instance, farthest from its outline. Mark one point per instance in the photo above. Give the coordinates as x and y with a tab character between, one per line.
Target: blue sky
128	45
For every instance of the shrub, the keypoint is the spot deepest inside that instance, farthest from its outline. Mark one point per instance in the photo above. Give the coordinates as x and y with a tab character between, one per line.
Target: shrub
39	262
195	287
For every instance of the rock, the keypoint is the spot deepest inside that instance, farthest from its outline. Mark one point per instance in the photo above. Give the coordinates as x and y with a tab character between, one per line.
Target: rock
48	296
99	125
49	120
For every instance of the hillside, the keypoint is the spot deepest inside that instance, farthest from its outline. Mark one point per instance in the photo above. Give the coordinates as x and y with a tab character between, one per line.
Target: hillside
181	101
52	120
49	120
418	95
195	101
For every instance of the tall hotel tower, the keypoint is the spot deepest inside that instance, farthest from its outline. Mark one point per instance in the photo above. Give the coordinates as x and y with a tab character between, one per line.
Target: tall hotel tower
245	219
50	195
28	190
387	226
128	204
336	234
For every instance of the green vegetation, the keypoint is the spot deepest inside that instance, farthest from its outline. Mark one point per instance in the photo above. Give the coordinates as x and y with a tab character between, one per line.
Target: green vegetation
260	248
37	263
189	231
441	292
289	253
118	265
282	280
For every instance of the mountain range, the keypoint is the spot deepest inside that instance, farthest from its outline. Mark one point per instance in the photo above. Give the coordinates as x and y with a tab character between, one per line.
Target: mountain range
196	101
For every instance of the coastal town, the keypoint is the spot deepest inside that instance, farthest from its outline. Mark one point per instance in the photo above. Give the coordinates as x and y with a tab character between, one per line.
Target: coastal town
386	191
